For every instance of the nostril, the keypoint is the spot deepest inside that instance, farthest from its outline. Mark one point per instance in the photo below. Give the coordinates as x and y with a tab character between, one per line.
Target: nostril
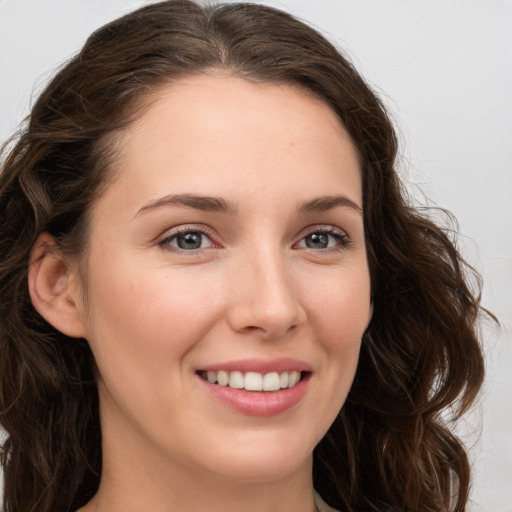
253	329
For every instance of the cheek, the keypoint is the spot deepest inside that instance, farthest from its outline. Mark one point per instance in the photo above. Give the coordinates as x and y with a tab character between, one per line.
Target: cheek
339	314
340	309
142	326
139	312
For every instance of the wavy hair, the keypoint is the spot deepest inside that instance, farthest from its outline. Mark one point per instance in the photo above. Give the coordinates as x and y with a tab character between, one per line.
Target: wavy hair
390	448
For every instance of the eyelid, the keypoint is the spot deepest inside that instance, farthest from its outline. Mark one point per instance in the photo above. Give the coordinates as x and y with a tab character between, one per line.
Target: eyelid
186	228
327	229
212	235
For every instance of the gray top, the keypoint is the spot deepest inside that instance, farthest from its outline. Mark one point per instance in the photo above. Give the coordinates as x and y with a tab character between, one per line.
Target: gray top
321	505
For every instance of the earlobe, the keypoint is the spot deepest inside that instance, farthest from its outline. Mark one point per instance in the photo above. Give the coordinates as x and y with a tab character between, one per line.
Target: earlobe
53	290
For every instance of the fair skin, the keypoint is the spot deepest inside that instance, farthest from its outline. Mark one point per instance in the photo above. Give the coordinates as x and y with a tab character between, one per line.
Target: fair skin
270	277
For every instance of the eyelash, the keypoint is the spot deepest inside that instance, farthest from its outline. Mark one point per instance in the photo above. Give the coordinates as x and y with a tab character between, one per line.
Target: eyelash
165	242
340	236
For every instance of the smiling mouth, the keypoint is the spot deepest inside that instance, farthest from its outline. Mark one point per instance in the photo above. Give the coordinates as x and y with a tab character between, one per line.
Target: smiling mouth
253	381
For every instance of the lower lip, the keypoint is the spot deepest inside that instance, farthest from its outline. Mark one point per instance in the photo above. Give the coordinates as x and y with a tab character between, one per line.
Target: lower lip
258	403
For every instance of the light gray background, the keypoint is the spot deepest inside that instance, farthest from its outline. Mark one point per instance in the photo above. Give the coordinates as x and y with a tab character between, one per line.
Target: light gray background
444	67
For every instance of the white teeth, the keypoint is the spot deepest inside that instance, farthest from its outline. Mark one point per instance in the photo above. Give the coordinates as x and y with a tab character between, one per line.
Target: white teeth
253	381
236	380
222	378
293	379
271	382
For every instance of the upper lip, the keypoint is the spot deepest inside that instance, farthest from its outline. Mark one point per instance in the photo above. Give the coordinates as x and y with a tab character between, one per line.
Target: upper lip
281	364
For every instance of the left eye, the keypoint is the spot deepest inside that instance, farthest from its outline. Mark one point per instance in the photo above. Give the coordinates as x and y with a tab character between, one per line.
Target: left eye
322	240
188	241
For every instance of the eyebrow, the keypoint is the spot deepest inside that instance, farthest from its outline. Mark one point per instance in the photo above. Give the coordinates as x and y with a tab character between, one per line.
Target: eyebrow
220	205
204	203
323	204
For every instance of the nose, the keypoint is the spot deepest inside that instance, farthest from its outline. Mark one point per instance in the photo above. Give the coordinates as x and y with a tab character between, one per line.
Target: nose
264	297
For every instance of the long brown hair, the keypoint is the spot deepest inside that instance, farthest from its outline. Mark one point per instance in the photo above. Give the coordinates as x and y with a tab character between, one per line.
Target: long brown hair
390	447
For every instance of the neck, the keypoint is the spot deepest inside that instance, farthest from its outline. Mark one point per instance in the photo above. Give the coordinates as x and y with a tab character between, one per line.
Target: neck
186	492
143	478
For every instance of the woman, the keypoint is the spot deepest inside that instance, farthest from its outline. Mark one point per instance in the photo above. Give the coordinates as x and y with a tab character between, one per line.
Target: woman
214	294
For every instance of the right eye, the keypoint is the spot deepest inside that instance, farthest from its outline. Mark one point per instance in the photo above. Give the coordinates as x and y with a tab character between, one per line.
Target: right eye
187	240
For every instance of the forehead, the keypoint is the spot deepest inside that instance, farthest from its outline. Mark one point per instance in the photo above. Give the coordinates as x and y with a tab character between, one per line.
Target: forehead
226	132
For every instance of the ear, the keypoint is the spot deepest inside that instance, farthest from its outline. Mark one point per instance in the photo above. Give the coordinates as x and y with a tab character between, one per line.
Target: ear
54	288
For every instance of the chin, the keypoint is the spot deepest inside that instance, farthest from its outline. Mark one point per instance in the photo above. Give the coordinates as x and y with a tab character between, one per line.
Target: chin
262	461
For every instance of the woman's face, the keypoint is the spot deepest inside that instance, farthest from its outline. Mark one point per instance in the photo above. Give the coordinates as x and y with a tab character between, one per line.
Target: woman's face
229	246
